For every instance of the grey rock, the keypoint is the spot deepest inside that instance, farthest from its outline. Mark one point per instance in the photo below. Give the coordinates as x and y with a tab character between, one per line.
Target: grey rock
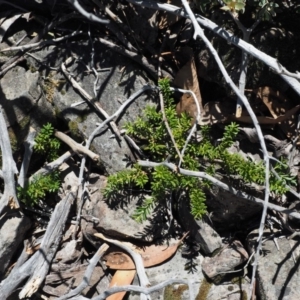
277	271
200	230
12	230
231	256
112	218
119	79
19	94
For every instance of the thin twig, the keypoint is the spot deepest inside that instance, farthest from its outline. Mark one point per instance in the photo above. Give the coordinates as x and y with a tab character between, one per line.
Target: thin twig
89	16
42	43
88	273
76	147
220	184
86	96
119	111
200	33
161	99
139	265
290	78
196	120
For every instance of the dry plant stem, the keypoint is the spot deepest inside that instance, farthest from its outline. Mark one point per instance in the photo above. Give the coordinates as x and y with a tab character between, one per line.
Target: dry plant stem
139	265
49	244
244	63
42	43
88	273
49	168
138	289
220	184
290	78
81	194
38	265
9	168
76	147
196	121
86	96
200	33
167	125
118	112
141	60
89	16
29	143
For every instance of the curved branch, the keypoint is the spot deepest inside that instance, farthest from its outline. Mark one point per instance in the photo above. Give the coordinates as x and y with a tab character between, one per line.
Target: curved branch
89	16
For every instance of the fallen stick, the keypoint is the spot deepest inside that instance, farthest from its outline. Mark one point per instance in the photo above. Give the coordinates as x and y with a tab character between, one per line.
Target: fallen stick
76	147
220	184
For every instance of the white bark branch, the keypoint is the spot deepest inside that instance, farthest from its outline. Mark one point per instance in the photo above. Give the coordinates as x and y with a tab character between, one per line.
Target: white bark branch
9	168
290	78
29	143
138	261
200	33
49	244
224	186
88	273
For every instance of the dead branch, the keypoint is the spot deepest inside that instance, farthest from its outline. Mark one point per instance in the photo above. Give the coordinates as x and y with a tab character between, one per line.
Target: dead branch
88	273
38	265
42	43
29	143
76	147
86	96
9	168
49	168
139	265
270	61
138	289
49	244
89	16
220	184
200	33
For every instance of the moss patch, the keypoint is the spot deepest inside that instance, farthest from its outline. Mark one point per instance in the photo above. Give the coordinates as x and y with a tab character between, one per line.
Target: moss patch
173	293
204	289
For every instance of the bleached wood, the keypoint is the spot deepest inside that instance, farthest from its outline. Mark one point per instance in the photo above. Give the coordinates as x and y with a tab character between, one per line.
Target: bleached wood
9	168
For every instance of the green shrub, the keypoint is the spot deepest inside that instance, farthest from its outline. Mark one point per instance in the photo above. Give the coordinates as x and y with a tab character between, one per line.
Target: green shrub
39	188
150	132
47	143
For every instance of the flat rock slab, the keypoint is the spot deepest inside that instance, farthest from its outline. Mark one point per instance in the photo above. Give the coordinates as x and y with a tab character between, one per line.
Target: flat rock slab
231	256
278	274
200	231
113	218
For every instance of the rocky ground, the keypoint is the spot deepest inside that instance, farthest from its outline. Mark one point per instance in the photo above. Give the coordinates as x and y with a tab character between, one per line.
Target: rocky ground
61	68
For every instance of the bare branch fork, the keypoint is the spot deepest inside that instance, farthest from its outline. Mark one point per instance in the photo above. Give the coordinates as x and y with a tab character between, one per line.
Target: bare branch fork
290	78
139	265
138	289
200	33
88	273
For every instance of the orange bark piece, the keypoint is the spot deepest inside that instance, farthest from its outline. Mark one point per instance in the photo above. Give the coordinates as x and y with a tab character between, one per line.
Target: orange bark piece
121	277
151	256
